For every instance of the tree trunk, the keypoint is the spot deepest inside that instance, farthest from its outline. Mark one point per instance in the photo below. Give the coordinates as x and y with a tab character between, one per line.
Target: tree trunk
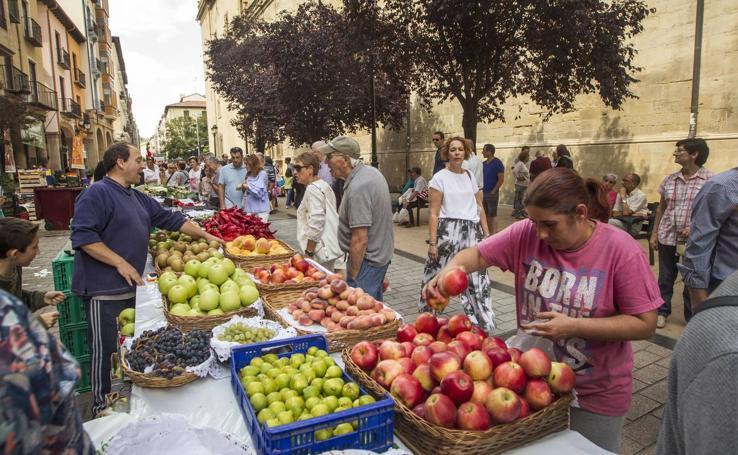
469	122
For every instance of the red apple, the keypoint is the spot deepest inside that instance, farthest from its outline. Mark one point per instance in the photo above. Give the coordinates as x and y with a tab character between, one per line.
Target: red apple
423	339
481	390
472	417
409	348
538	394
421	354
454	282
524	408
442	320
437	301
427	323
407	389
536	363
438	346
389	350
443	363
423	374
478	365
364	355
458	323
561	378
386	371
478	330
436	389
443	334
407	364
503	405
459	348
406	332
510	375
472	340
498	356
490	342
419	410
440	410
458	386
515	354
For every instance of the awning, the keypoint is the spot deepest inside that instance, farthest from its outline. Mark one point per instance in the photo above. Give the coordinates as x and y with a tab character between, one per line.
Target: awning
34	135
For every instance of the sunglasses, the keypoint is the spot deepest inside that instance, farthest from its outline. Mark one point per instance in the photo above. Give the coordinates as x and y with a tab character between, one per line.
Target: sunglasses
298	167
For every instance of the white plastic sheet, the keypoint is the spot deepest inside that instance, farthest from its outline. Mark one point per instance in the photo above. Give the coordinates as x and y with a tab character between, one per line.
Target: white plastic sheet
223	348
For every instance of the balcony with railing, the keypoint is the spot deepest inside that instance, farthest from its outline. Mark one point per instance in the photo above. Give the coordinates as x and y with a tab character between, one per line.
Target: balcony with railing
13	11
42	96
102	106
33	32
70	108
102	5
80	78
64	58
14	80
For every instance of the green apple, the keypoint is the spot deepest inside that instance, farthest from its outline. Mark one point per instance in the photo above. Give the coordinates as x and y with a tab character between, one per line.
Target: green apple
344	401
320	368
229	301
218	274
246	379
195	302
258	401
264	415
127	330
215	312
249	370
320	410
229	266
281	363
229	285
256	361
202	283
177	294
342	408
305	416
296	360
209	299
328	361
179	309
288	393
269	385
189	283
321	353
331	402
343	428
265	367
333	372
273	423
272	397
271	358
298	382
277	407
311	402
127	315
366	399
191	267
248	295
193	312
333	387
317	383
308	372
350	391
312	350
295	404
273	373
166	281
254	388
310	392
285	417
322	435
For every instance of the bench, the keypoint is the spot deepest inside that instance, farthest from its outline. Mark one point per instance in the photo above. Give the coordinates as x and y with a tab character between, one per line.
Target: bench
646	228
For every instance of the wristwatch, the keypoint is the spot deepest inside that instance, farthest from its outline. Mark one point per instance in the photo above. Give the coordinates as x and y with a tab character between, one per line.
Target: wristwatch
309	253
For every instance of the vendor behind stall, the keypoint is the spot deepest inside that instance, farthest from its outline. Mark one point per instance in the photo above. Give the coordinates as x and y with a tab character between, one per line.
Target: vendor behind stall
110	232
581	283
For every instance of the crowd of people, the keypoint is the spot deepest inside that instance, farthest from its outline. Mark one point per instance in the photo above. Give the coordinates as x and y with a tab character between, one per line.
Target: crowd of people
581	279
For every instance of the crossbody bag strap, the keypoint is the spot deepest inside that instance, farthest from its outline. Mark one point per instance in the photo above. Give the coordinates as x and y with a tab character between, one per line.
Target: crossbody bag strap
715	302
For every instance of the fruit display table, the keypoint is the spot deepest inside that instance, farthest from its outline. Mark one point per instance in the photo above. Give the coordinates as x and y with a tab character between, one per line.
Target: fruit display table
209	402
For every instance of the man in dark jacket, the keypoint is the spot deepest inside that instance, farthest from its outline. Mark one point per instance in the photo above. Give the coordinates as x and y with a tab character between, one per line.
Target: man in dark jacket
110	232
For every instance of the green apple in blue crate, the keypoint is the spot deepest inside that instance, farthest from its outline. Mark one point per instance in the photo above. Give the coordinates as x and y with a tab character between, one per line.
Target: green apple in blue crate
307	372
311	392
259	401
322	435
343	428
312	350
271	358
333	372
320	409
288	393
277	407
311	402
333	386
345	401
264	415
254	387
269	385
283	380
320	368
285	417
273	423
366	399
318	383
298	382
331	402
296	360
249	370
272	397
350	391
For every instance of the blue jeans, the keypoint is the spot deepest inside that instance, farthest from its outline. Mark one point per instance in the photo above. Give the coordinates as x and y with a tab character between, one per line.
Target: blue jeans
370	279
668	273
288	198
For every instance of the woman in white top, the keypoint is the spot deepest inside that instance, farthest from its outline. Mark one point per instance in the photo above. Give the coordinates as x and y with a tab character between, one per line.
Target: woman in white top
317	217
521	175
457	221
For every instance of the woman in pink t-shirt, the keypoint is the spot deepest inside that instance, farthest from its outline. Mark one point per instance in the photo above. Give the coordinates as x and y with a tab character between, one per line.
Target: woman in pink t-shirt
581	283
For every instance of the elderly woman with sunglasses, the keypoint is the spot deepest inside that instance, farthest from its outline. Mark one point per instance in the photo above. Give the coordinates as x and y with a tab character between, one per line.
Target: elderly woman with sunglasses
317	215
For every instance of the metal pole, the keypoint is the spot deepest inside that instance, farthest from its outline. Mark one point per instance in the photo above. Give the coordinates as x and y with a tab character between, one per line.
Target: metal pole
695	104
375	160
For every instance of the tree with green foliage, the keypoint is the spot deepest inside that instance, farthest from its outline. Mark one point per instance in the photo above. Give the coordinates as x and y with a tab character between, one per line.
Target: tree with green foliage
186	136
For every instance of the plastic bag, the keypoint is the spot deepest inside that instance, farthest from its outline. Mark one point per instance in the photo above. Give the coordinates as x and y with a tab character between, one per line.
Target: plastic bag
223	348
404	215
525	341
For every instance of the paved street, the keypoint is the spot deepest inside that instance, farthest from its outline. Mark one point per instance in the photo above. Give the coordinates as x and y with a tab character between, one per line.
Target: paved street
651	358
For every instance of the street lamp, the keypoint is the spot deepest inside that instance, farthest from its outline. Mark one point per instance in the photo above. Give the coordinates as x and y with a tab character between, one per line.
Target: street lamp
214	129
375	160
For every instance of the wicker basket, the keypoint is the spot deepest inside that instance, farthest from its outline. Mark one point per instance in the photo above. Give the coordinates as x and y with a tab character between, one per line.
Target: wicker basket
421	436
337	341
146	380
189	323
248	263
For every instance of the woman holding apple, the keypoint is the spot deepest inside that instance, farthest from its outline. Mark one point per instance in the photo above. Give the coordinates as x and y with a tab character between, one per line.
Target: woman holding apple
317	216
580	283
457	221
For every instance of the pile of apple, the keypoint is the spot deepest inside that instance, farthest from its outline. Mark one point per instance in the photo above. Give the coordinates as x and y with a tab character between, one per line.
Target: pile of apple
452	374
297	270
248	245
336	306
213	287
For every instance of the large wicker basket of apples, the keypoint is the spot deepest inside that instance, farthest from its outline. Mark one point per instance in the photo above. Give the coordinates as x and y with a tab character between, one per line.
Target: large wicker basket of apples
457	389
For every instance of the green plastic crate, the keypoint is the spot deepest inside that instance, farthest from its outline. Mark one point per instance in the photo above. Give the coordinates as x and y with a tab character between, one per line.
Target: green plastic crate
63	267
74	337
83	384
71	311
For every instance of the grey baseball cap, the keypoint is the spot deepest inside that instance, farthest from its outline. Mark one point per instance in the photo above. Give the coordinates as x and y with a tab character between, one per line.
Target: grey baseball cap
342	144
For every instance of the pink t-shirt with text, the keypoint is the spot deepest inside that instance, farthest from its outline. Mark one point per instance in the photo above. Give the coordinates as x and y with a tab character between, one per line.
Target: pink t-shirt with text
606	276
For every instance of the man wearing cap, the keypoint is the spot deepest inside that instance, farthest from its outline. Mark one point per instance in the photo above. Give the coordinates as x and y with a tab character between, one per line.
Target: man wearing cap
365	216
325	172
230	181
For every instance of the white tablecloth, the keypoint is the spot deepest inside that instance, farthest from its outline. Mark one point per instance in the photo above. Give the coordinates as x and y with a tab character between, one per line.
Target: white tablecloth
210	403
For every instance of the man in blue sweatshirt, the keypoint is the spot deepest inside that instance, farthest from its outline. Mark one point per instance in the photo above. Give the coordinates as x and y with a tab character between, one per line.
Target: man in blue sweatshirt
110	232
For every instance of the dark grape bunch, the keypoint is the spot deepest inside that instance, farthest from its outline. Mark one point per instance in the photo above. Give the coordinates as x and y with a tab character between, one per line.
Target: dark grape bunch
169	351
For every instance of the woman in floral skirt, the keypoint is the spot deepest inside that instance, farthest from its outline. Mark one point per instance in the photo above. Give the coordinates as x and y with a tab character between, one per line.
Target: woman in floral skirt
457	221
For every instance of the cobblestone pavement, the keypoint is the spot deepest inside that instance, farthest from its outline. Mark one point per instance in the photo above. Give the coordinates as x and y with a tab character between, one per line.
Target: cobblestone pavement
651	358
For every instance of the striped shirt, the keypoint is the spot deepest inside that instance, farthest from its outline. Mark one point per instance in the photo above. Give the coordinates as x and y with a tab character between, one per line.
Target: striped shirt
679	194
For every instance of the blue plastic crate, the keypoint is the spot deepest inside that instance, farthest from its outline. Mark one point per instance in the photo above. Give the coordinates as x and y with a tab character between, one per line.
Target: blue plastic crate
375	421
